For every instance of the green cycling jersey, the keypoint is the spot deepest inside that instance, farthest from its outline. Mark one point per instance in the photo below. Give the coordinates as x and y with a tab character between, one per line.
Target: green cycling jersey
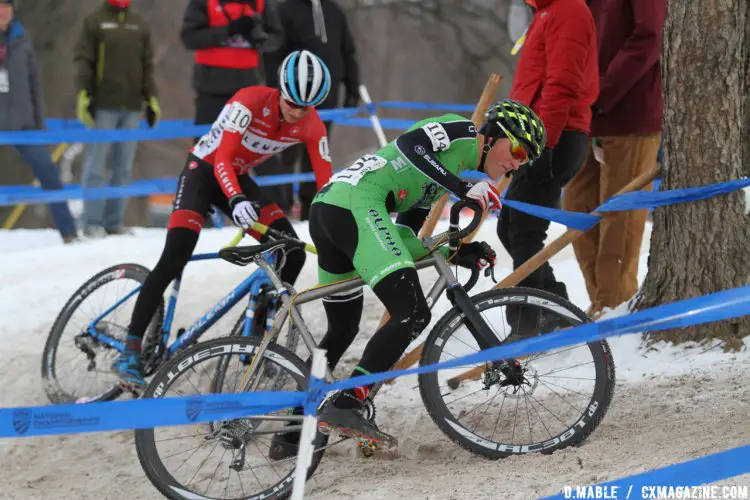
406	176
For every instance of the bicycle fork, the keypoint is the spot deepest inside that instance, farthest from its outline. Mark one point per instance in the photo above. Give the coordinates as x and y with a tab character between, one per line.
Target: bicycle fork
457	296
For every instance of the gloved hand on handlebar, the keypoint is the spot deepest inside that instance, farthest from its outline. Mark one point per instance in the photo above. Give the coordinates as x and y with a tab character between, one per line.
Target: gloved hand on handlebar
475	255
244	213
485	194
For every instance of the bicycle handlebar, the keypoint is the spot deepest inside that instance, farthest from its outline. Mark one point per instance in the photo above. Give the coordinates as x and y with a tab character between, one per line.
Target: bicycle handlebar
456	233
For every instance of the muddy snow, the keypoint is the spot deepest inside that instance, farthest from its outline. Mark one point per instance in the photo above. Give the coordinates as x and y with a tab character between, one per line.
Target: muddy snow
670	404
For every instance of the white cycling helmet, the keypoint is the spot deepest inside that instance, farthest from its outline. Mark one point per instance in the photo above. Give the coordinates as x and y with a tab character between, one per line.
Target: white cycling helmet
304	78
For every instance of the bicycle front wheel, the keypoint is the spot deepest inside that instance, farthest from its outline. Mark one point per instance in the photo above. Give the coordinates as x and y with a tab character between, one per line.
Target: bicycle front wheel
539	403
226	459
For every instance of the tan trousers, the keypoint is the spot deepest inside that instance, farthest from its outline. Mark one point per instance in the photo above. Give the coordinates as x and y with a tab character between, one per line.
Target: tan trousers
608	252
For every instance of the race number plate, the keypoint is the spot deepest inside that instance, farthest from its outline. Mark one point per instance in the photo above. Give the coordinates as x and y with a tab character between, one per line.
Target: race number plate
353	174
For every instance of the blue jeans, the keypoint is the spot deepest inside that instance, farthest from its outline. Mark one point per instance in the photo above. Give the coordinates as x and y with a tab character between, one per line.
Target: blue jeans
37	157
109	213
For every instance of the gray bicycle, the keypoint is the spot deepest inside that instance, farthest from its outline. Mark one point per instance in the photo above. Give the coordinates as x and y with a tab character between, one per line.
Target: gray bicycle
540	403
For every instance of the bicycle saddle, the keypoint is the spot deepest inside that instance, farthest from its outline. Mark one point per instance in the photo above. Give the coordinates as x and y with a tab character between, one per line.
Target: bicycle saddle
245	255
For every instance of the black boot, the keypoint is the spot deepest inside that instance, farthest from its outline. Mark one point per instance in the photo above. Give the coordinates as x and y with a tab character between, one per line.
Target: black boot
285	444
346	416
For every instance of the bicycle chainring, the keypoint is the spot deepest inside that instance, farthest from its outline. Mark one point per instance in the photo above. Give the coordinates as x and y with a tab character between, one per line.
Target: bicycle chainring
152	353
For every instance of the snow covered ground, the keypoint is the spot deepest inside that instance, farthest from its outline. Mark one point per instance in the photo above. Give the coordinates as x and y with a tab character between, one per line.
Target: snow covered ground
670	404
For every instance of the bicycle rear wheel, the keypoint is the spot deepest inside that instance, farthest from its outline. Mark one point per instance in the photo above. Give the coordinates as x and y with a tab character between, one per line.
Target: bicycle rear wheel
75	364
545	402
222	459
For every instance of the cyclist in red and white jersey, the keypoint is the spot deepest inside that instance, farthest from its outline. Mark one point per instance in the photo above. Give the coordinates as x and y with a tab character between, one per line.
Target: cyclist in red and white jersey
255	124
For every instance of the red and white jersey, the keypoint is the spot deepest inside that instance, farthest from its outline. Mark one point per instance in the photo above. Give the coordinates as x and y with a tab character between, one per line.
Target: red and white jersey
250	129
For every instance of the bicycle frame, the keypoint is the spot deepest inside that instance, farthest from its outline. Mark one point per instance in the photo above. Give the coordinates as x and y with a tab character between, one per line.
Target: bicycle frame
251	286
290	307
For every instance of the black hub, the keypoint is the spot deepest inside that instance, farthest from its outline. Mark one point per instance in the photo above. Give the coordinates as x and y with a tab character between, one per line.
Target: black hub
505	373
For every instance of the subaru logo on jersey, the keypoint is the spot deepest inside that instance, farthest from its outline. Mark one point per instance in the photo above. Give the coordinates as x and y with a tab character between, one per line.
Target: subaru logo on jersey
21	421
193	165
193	408
434	164
266	112
263	146
419	150
294	131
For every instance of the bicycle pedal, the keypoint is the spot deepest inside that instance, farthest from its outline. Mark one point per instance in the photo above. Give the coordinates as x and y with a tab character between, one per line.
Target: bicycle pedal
388	445
367	448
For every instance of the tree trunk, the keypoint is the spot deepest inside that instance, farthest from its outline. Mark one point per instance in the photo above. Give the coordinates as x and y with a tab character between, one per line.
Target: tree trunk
703	247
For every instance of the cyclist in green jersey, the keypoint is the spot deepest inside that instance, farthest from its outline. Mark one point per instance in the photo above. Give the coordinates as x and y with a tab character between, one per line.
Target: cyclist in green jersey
351	227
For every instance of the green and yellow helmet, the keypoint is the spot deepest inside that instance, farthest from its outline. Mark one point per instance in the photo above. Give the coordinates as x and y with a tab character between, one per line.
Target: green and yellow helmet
518	122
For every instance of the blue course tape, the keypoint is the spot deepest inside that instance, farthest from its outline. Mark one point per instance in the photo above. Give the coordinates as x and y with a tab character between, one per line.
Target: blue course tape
653	199
386	123
576	220
140	413
70	131
148	413
695	472
714	307
14	195
430	106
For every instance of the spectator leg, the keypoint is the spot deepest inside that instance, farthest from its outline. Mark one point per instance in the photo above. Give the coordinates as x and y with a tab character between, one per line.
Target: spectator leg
621	233
38	158
123	154
93	170
582	194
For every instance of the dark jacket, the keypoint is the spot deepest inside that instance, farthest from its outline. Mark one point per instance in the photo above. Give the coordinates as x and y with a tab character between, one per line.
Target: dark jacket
197	34
21	107
338	53
114	59
557	71
629	39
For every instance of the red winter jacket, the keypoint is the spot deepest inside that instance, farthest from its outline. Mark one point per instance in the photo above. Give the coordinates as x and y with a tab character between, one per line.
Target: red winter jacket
557	73
629	39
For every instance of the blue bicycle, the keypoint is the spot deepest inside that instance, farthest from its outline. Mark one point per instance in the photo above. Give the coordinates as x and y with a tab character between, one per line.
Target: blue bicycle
90	330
